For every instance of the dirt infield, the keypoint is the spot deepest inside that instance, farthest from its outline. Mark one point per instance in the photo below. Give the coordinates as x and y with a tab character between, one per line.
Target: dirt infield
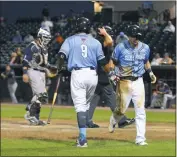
67	129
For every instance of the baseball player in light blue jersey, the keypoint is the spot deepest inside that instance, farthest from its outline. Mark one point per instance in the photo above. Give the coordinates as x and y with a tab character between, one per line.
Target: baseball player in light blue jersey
132	59
82	52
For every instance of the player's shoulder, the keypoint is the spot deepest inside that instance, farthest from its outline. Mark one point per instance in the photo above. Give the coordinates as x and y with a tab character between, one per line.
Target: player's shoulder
122	45
32	47
145	46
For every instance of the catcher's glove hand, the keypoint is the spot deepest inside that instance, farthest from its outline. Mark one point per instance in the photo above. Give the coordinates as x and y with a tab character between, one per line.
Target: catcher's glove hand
51	71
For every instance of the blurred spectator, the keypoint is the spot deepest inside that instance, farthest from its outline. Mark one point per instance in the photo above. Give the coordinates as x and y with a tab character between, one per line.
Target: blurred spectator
2	22
93	32
156	60
121	37
169	28
47	24
29	38
61	22
16	57
162	94
143	23
12	85
45	11
167	60
59	39
152	25
166	15
17	38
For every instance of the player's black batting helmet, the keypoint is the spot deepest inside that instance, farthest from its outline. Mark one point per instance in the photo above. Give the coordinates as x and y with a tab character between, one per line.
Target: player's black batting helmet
83	25
134	31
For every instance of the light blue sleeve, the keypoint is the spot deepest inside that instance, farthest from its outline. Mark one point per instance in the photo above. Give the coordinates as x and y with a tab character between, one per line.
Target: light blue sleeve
147	54
116	53
100	54
65	48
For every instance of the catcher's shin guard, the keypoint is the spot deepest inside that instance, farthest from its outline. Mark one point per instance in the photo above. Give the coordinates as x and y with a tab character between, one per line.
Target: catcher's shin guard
33	112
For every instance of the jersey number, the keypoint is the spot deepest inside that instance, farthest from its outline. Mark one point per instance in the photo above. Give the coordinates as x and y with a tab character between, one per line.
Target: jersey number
84	50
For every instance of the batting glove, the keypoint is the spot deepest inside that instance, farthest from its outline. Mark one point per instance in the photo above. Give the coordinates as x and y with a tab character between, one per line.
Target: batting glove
153	77
113	78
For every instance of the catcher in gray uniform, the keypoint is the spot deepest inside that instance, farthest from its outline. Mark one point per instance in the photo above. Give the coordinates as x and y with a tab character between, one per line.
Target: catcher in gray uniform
35	69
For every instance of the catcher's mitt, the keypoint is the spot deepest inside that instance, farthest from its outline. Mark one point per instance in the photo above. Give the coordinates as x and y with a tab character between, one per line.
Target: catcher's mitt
51	71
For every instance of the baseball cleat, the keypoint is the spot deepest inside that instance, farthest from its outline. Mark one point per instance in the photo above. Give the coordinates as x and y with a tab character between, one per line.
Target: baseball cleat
92	125
127	122
112	124
33	120
81	143
142	143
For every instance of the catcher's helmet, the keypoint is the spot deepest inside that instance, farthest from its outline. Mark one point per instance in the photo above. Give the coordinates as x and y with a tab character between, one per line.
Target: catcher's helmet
134	31
82	25
44	36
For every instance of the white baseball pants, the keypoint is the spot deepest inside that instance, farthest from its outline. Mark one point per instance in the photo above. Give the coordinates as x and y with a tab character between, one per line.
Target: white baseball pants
83	85
127	90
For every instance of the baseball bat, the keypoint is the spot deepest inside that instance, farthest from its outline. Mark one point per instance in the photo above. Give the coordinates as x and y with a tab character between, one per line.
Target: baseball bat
53	101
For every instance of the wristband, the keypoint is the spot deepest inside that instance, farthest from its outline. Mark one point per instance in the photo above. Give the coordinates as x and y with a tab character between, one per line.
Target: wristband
24	71
149	70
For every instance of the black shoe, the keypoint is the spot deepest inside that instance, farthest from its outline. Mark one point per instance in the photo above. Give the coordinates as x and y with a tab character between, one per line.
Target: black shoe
92	125
127	122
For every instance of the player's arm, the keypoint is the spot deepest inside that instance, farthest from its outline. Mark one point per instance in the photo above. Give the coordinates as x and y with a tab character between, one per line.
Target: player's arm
107	38
62	55
147	66
25	63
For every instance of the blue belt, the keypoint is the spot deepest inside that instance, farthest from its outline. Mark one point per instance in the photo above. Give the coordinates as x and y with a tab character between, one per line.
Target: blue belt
77	68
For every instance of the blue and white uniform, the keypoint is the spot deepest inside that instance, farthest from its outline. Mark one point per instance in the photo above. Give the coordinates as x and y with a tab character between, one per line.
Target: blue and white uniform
82	52
130	65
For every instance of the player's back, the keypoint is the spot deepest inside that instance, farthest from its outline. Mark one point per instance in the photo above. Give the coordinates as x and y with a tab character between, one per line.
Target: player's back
83	51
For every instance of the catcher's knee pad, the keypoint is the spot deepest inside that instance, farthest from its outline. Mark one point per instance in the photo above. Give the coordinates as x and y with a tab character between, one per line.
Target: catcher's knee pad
42	97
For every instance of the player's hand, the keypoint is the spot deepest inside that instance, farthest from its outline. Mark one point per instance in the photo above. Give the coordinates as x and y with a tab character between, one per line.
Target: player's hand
153	77
114	79
102	31
25	78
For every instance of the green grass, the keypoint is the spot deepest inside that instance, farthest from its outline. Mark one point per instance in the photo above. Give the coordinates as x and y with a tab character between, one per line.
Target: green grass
41	147
18	111
30	147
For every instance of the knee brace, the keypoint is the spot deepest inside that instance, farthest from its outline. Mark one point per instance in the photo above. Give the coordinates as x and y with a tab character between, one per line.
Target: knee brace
42	97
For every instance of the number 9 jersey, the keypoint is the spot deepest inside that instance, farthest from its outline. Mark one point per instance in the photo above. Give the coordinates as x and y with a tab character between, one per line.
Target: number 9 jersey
82	51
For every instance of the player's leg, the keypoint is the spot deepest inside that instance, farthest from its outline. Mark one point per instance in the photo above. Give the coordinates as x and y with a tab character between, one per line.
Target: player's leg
138	98
12	89
40	96
166	97
94	102
123	97
78	94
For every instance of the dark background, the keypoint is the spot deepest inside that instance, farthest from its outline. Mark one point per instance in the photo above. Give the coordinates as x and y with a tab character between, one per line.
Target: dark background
13	10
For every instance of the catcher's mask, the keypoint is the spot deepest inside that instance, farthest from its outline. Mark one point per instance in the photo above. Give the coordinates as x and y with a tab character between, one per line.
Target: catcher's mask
44	37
